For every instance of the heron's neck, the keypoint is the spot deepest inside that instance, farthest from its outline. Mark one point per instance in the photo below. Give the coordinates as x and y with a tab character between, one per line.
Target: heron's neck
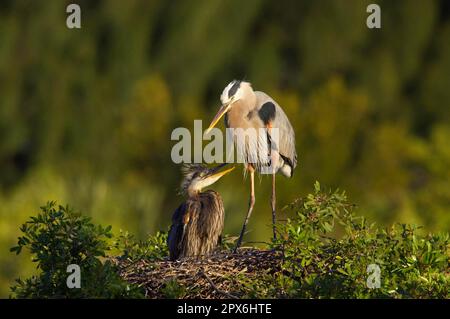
238	114
193	191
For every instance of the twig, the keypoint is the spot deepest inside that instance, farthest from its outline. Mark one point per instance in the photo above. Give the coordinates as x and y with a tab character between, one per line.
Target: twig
215	287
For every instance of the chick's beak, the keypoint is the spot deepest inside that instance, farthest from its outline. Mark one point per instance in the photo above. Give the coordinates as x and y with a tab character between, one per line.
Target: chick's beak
222	173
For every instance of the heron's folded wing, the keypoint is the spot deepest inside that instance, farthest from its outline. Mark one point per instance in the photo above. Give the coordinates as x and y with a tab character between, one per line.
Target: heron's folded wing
176	231
286	140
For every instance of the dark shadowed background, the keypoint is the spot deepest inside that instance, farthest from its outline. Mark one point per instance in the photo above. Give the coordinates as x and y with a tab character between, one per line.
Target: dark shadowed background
86	114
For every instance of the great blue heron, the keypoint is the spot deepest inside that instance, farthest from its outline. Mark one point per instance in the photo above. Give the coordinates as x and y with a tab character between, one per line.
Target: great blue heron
197	223
244	108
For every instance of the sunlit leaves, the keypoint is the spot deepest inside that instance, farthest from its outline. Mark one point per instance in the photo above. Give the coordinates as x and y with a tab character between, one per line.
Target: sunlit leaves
58	237
327	249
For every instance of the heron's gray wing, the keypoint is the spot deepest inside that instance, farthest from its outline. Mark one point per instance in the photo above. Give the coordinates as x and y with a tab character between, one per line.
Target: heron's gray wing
270	111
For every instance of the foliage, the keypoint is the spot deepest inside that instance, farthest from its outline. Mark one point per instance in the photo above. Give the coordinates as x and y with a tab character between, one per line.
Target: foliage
327	250
58	237
153	248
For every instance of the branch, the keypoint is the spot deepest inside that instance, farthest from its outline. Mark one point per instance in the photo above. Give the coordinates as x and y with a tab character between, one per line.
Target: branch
202	273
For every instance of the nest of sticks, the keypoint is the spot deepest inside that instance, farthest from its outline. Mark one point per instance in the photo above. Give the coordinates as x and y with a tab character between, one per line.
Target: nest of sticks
215	276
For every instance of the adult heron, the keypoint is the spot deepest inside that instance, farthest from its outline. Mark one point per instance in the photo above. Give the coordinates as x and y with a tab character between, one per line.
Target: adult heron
247	109
197	223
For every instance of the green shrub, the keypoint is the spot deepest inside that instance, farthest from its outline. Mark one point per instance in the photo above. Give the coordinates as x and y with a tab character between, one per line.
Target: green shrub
327	249
58	237
154	248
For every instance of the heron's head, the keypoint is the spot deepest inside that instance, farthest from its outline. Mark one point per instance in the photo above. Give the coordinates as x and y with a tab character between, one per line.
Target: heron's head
235	91
197	177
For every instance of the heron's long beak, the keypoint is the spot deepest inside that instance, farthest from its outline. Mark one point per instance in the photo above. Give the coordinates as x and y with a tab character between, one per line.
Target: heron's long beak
223	109
215	176
222	173
212	177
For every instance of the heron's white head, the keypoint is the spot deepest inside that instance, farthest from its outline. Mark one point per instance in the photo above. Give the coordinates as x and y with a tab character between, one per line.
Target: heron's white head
235	91
232	92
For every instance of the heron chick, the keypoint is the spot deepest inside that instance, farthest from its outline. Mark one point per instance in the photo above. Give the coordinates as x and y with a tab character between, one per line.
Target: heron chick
197	223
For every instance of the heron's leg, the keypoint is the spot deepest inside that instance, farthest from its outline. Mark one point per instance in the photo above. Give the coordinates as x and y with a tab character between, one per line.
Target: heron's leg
273	204
250	206
275	158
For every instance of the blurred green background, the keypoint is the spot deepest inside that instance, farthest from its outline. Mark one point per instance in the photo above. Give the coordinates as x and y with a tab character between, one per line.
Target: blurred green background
86	114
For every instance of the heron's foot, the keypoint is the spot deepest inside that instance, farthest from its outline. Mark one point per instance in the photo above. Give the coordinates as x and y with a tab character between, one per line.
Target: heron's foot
238	244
